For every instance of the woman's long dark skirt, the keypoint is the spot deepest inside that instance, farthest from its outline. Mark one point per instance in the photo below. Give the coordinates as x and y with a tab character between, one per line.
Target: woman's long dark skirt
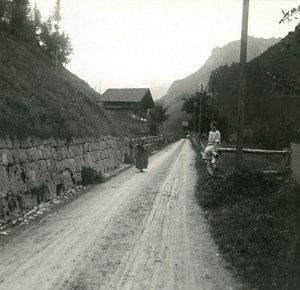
141	158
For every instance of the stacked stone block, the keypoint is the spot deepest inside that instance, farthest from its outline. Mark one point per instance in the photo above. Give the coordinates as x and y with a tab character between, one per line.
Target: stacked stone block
33	167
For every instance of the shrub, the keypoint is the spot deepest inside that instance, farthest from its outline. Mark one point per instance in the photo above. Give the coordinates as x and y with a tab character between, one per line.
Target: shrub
128	159
91	176
40	192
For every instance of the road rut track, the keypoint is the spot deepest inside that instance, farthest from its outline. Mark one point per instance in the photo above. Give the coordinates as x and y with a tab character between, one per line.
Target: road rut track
136	231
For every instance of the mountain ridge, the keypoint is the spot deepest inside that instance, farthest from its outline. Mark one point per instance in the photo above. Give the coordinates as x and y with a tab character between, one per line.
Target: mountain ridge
227	54
256	46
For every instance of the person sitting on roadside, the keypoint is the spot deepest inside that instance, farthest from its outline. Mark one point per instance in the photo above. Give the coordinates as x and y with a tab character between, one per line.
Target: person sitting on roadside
214	139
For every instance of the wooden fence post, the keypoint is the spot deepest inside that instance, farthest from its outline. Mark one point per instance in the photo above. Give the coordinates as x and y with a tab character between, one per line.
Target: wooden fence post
295	161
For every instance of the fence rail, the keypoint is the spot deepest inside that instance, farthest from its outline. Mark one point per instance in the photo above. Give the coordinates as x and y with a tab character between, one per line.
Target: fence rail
292	155
255	151
286	154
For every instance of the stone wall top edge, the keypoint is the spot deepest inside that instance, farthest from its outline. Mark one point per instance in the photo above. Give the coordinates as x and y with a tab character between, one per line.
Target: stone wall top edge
15	143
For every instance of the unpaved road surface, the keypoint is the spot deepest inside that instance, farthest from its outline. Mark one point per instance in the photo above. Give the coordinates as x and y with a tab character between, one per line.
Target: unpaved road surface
136	231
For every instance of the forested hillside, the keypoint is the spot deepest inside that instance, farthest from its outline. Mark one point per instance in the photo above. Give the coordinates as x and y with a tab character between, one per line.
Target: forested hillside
227	54
181	89
272	99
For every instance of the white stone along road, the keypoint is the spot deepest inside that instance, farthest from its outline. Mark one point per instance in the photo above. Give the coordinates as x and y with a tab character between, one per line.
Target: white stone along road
136	231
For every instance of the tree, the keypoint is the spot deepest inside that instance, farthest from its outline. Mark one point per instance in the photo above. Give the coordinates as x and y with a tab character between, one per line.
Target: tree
291	14
188	107
37	18
56	16
17	17
58	39
64	48
156	116
292	44
3	11
56	44
273	105
20	21
47	41
208	111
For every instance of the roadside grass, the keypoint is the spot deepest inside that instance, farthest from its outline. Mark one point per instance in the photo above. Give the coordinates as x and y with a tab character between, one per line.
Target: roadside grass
255	221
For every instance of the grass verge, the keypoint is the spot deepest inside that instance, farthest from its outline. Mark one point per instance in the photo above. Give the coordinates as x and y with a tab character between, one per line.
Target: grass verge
255	221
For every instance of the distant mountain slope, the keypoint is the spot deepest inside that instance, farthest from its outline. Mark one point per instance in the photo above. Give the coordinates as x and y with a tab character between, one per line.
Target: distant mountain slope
220	56
158	91
36	101
227	54
272	112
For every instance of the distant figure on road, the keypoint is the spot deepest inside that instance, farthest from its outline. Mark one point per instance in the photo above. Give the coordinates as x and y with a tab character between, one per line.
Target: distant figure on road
130	148
141	153
214	139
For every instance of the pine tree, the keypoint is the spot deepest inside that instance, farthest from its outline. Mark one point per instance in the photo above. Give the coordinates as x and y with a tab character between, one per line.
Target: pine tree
47	40
56	16
6	9
3	10
37	18
20	22
20	14
62	41
65	48
55	43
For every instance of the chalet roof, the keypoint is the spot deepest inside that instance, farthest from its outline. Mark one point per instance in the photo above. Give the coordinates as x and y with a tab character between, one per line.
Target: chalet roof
124	95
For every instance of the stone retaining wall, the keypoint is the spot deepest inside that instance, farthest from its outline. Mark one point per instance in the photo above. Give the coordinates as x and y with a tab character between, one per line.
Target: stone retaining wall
35	170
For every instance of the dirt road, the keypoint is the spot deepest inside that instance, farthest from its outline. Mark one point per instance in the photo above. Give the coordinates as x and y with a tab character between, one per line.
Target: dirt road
136	231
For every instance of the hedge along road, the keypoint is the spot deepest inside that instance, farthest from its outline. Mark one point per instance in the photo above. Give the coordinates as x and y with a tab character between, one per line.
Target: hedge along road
136	231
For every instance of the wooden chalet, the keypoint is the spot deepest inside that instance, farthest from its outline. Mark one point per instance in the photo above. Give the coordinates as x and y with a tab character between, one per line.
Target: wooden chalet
134	102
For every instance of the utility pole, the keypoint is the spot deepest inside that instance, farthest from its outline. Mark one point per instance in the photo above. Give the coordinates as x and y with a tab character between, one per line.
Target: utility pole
213	96
241	103
200	108
194	129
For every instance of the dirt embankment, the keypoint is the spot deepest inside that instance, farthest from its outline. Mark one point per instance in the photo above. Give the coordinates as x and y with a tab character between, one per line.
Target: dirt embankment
36	101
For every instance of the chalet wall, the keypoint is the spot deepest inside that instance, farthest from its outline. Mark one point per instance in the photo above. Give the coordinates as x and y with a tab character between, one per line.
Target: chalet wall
34	170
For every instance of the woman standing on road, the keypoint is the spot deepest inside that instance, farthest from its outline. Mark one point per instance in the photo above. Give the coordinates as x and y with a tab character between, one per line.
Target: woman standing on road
141	154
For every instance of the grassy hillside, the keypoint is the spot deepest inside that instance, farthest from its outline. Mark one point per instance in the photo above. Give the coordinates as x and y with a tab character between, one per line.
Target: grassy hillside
36	101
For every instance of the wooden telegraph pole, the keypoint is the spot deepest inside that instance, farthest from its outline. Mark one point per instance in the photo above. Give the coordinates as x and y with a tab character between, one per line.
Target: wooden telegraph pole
194	129
213	96
241	103
200	109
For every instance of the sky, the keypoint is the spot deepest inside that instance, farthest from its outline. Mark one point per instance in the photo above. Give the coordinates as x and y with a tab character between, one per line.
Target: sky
151	43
